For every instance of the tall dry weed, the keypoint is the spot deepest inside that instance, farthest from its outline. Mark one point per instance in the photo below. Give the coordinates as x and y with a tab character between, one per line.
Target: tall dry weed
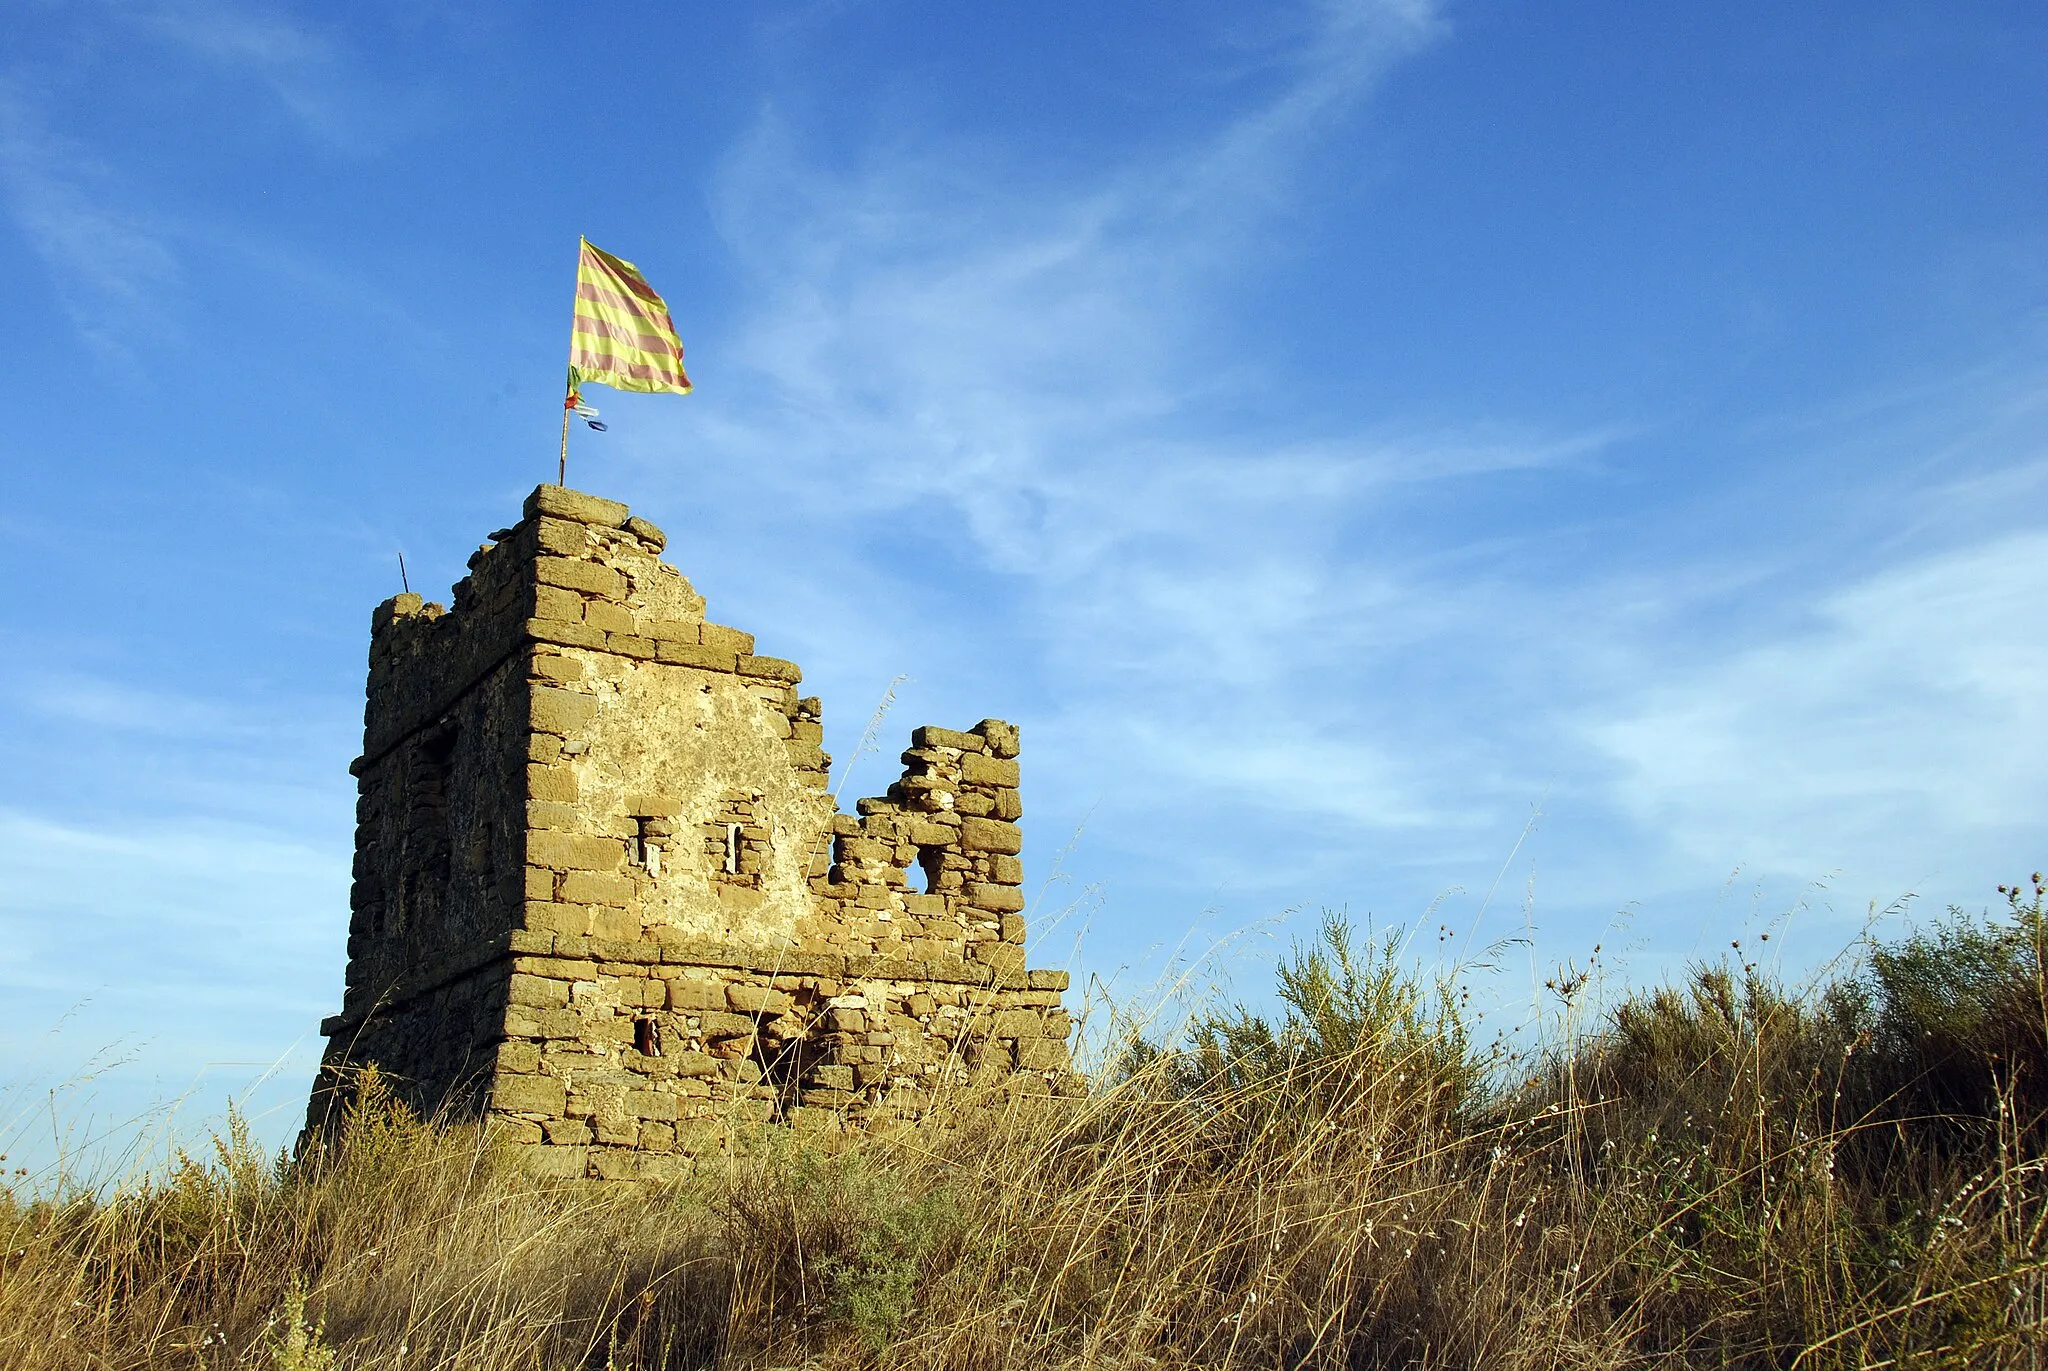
1726	1172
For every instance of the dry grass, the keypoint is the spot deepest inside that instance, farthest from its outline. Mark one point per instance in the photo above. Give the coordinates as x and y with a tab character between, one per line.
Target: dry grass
1722	1173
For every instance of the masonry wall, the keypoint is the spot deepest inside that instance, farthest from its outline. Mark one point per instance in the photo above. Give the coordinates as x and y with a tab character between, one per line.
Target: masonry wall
603	894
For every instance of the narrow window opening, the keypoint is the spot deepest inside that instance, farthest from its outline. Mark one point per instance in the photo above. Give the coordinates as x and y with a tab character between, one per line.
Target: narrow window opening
732	848
643	849
647	1036
931	861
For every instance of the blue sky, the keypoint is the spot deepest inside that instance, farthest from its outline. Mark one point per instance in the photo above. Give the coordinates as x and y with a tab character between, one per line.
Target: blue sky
1338	433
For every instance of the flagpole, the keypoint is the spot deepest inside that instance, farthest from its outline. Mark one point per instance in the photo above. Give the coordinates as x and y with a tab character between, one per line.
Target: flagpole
562	467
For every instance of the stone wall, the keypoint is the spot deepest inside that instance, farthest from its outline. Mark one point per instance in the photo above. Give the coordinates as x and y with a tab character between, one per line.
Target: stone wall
602	891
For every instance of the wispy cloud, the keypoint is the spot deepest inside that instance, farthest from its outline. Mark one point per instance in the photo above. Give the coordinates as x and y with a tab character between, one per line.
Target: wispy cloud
110	262
300	63
1907	707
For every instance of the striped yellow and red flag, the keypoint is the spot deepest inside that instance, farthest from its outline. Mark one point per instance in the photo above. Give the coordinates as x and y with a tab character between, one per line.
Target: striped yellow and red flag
622	336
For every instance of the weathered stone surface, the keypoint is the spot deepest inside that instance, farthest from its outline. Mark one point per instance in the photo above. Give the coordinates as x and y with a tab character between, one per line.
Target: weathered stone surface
528	1095
1001	899
771	668
573	851
991	835
561	711
932	736
563	503
722	639
577	574
976	769
556	1163
749	998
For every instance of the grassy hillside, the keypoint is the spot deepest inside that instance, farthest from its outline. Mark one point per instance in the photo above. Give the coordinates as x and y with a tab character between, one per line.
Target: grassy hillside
1722	1172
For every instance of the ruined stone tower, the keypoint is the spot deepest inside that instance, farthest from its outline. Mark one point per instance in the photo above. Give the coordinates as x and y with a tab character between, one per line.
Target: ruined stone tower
603	896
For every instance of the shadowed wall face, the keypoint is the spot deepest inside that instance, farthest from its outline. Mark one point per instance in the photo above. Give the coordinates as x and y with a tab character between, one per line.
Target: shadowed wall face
603	895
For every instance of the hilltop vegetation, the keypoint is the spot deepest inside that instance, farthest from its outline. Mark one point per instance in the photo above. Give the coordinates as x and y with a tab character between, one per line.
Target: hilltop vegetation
1726	1171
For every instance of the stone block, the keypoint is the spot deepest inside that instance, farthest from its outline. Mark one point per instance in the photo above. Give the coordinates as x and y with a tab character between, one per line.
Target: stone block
599	887
976	769
715	1024
746	998
1005	958
631	645
832	1077
553	666
686	654
556	968
770	668
609	617
538	991
546	916
1043	1054
1009	805
824	1097
689	994
652	804
865	850
574	574
1048	980
611	1164
650	1104
552	784
523	1021
561	711
931	735
540	883
560	502
1007	870
564	635
693	1065
632	949
558	603
921	1005
562	537
519	1059
1002	737
554	813
991	835
816	1120
1013	928
556	1163
528	1095
1017	1023
646	532
997	899
404	606
574	851
723	639
567	1132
